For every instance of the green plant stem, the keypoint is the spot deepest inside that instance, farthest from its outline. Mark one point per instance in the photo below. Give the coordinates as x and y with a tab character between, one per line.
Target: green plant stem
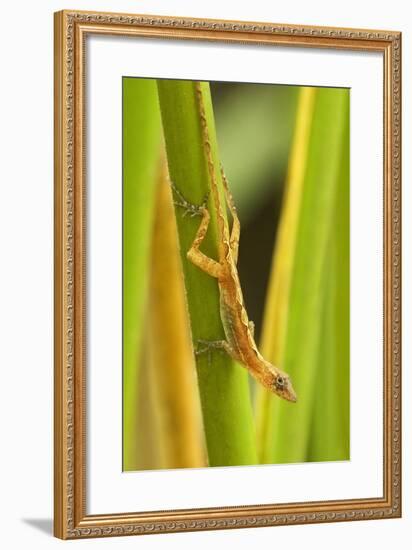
223	385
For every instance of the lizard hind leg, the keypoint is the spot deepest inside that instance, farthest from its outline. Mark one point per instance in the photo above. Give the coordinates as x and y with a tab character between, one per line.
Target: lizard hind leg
235	233
197	257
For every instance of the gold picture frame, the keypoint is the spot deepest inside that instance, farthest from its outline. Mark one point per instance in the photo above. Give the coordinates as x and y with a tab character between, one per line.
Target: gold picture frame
70	518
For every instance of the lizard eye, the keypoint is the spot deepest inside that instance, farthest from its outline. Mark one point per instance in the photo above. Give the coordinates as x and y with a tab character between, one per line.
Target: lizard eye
280	382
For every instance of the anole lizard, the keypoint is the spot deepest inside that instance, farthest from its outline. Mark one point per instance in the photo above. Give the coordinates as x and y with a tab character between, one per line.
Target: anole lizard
239	331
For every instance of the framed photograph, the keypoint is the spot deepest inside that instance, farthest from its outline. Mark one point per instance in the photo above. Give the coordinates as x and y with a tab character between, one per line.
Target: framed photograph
227	274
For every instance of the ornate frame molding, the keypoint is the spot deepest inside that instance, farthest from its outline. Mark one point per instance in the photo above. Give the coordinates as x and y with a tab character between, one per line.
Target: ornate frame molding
71	520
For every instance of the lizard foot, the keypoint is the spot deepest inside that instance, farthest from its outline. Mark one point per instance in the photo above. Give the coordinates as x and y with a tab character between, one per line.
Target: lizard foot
207	346
189	208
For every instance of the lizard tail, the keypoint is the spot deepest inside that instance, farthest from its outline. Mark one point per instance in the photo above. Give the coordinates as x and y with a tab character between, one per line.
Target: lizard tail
221	220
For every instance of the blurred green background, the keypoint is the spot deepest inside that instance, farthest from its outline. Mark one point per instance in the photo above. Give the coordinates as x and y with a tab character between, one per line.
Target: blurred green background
285	151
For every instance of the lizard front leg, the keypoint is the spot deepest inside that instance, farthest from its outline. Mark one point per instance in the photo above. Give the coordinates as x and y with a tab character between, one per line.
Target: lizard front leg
194	254
209	345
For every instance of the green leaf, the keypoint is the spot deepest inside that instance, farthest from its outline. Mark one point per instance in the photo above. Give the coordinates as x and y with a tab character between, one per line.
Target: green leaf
330	424
141	148
309	216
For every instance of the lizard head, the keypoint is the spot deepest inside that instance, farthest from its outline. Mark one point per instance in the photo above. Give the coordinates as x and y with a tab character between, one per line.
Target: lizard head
279	383
282	386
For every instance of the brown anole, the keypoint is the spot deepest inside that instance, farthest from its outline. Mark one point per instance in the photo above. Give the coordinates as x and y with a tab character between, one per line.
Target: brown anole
239	331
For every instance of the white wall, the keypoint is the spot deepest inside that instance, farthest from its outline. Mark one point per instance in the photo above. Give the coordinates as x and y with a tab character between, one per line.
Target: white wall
26	269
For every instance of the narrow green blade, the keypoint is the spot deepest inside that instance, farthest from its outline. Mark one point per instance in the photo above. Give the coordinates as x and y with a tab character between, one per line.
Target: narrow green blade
285	429
141	147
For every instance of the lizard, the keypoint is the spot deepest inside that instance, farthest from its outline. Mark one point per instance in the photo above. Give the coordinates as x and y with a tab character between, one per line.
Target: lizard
239	341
